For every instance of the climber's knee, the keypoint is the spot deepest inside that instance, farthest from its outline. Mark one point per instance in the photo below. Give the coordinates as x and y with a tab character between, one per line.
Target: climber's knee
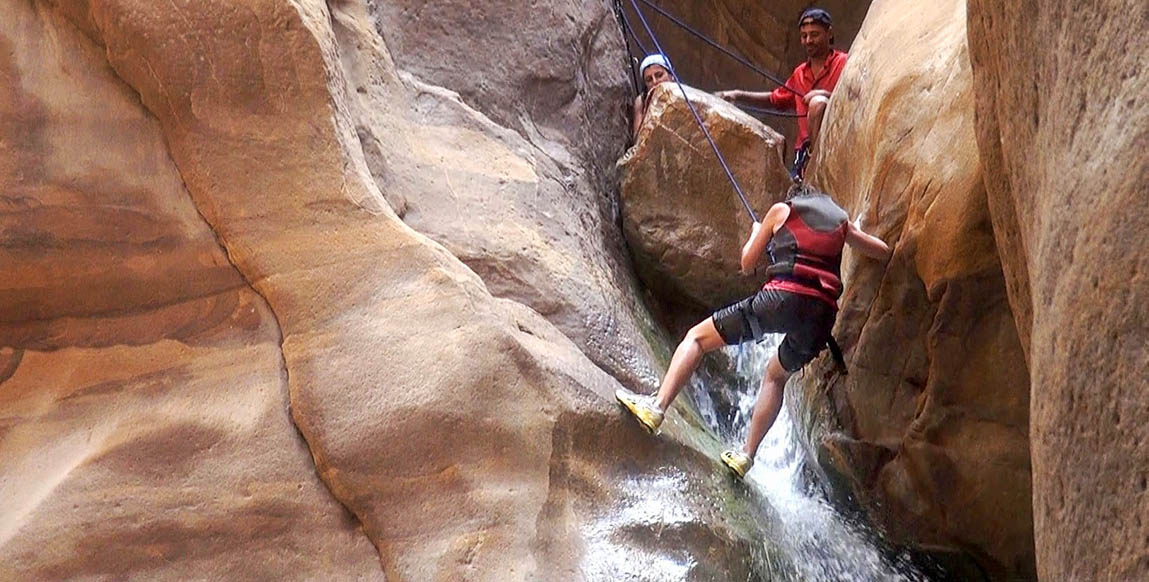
818	107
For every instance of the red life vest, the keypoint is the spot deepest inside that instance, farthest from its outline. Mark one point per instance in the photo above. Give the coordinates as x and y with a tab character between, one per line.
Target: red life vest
806	251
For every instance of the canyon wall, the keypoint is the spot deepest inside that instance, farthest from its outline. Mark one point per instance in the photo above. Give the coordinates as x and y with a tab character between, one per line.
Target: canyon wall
1062	129
929	431
225	354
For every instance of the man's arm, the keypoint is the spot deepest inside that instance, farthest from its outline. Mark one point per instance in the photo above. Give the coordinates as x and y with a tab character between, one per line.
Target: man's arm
760	235
780	98
867	244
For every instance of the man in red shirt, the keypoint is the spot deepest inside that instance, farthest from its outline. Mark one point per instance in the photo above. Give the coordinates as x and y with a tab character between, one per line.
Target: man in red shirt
815	78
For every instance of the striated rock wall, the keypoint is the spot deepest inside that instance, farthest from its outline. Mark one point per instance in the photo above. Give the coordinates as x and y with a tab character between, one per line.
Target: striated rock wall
199	232
929	432
143	393
511	169
1061	127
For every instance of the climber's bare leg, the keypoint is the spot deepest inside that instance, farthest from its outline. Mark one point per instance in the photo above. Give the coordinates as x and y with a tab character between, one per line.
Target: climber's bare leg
768	405
700	339
814	118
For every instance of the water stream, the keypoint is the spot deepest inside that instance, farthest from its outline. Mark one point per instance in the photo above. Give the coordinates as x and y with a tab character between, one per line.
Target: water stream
817	540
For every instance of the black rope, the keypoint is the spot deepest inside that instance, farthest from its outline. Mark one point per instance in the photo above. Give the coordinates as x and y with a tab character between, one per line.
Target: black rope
697	117
628	28
774	112
724	50
618	14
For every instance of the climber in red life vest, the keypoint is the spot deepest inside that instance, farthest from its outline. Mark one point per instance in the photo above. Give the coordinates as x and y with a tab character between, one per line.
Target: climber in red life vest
816	77
804	237
655	70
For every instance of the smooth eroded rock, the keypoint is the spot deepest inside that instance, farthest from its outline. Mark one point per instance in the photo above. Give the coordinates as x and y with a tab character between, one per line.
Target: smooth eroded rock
144	431
1061	126
465	435
929	431
528	209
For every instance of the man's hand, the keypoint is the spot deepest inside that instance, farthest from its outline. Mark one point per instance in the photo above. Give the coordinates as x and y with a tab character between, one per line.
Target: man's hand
731	95
815	93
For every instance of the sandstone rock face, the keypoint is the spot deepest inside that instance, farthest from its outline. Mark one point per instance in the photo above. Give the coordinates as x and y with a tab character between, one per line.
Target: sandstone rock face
143	398
522	205
195	236
1061	126
929	431
680	213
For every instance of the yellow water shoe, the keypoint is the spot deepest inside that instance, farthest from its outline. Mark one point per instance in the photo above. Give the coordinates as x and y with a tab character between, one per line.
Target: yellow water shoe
642	407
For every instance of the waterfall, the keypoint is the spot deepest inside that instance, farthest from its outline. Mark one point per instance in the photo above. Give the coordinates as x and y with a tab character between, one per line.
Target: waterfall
815	538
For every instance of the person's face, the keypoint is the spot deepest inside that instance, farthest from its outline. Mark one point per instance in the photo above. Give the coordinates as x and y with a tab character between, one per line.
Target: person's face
816	39
654	75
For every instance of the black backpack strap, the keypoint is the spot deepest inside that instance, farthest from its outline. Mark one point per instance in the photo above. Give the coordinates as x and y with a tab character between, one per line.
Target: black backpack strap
836	352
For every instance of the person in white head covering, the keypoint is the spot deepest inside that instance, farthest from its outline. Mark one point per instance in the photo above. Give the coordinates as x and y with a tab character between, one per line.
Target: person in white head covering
655	70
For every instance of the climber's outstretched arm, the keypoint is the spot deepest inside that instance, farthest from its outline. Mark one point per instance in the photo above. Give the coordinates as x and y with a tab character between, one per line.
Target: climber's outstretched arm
867	244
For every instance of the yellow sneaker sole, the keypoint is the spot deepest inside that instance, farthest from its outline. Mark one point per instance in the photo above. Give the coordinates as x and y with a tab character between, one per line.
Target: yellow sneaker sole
629	401
736	467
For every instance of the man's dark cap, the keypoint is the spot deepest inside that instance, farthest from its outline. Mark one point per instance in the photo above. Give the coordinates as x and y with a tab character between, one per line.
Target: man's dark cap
816	15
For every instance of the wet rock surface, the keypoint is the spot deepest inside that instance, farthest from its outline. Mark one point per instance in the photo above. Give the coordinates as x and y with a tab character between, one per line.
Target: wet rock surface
929	431
681	215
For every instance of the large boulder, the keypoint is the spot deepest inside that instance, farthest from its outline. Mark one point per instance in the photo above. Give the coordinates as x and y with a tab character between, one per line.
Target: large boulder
1061	127
928	432
224	353
680	213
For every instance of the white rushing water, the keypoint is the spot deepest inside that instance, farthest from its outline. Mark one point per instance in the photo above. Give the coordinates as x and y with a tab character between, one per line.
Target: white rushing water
816	538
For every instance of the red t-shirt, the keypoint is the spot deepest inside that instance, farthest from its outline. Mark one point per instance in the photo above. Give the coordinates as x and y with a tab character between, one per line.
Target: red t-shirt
803	80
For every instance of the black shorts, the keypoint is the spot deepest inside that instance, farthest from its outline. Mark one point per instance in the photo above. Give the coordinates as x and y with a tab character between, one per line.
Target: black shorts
806	321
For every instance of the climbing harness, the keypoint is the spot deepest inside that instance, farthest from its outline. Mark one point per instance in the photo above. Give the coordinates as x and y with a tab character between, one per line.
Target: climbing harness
624	22
697	117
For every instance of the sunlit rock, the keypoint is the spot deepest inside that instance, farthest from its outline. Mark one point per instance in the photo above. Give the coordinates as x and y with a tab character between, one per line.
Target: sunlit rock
929	431
1061	120
224	354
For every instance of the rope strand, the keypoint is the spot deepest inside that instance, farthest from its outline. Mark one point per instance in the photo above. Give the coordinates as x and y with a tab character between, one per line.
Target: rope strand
620	17
719	47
